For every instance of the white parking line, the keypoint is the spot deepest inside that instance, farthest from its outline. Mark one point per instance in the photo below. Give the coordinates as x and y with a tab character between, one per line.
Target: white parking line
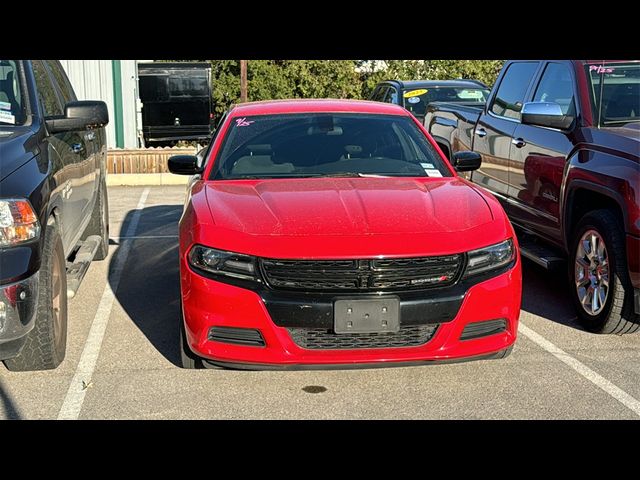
623	397
74	399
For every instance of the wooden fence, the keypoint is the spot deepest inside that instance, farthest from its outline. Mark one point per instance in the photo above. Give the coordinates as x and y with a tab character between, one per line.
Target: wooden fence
143	160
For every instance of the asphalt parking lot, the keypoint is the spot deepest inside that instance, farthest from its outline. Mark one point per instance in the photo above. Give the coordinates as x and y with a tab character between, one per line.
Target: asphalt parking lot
122	354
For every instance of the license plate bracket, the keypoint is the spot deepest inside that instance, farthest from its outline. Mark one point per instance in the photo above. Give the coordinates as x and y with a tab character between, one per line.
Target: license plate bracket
375	315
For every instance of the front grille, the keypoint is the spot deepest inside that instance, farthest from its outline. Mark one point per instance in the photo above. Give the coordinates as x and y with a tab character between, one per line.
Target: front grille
363	275
323	339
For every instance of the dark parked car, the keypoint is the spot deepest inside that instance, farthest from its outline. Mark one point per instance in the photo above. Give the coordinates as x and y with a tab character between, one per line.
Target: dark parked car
176	102
53	207
415	95
560	146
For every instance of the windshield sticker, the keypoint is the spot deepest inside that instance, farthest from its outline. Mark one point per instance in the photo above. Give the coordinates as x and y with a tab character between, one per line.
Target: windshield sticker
427	165
415	93
600	69
5	106
470	94
243	122
413	99
432	172
6	117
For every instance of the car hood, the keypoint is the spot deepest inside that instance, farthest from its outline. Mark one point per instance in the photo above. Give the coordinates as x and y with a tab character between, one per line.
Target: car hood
17	147
346	206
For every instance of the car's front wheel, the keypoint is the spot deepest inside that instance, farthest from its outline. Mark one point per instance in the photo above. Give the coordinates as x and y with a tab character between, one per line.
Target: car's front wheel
46	344
188	359
599	280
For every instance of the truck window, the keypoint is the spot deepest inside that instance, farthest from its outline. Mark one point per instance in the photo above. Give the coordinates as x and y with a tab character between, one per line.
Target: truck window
513	87
46	91
556	85
12	105
619	84
64	87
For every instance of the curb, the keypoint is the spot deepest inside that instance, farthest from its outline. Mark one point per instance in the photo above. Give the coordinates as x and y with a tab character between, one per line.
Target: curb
135	179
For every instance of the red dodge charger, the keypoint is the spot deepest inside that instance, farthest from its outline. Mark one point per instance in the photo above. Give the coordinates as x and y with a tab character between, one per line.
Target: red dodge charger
321	233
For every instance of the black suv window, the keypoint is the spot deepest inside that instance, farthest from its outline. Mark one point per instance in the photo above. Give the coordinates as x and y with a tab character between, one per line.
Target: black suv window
512	89
556	86
391	96
46	91
64	87
378	95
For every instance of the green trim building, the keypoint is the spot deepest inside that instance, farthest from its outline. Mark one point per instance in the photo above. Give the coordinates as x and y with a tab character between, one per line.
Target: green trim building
115	82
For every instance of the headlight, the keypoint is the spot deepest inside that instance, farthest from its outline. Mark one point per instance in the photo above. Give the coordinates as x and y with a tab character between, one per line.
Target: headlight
18	222
223	263
490	258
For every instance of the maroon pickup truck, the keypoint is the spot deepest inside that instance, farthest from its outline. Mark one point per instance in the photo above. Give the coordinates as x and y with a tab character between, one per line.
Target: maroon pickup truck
560	147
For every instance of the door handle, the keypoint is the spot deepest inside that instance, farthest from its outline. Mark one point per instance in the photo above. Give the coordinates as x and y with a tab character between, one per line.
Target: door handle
518	142
77	148
481	132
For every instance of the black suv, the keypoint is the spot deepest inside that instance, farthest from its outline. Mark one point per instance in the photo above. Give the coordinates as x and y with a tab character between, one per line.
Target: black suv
415	95
53	207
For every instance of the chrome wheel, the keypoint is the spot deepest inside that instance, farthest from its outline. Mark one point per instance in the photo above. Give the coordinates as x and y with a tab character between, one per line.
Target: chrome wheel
592	272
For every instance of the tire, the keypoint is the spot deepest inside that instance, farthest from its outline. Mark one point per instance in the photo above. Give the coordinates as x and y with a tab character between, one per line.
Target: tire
615	314
99	223
188	359
46	344
502	353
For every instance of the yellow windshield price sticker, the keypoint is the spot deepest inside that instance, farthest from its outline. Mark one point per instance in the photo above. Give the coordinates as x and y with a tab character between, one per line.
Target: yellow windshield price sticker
415	93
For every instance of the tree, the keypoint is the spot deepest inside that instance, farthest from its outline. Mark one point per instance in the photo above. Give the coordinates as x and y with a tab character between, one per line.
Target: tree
272	79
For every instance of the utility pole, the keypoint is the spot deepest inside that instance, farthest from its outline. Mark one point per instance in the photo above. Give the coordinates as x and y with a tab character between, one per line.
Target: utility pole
243	80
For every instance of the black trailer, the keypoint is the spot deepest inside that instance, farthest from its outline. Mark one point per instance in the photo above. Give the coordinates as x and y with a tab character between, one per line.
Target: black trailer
176	102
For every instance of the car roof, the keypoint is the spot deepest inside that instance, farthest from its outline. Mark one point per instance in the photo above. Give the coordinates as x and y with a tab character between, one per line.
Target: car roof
407	84
267	107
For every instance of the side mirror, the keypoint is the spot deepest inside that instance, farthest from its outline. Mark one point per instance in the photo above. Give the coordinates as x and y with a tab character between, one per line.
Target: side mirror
184	165
466	161
79	116
545	114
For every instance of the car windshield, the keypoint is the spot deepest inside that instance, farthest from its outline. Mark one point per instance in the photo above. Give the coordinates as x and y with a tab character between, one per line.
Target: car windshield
615	92
417	99
326	145
12	107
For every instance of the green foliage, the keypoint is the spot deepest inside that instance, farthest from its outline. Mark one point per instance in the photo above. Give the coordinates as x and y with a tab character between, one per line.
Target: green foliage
271	79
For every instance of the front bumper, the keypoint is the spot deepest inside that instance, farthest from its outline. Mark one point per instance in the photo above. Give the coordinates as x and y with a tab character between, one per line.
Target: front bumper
18	305
208	303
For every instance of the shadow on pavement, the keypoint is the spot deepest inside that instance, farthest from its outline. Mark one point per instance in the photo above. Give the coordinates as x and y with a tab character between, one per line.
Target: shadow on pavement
11	411
149	289
547	295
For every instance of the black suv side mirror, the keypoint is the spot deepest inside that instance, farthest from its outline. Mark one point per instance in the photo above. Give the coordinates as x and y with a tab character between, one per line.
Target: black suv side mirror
184	165
466	161
80	115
